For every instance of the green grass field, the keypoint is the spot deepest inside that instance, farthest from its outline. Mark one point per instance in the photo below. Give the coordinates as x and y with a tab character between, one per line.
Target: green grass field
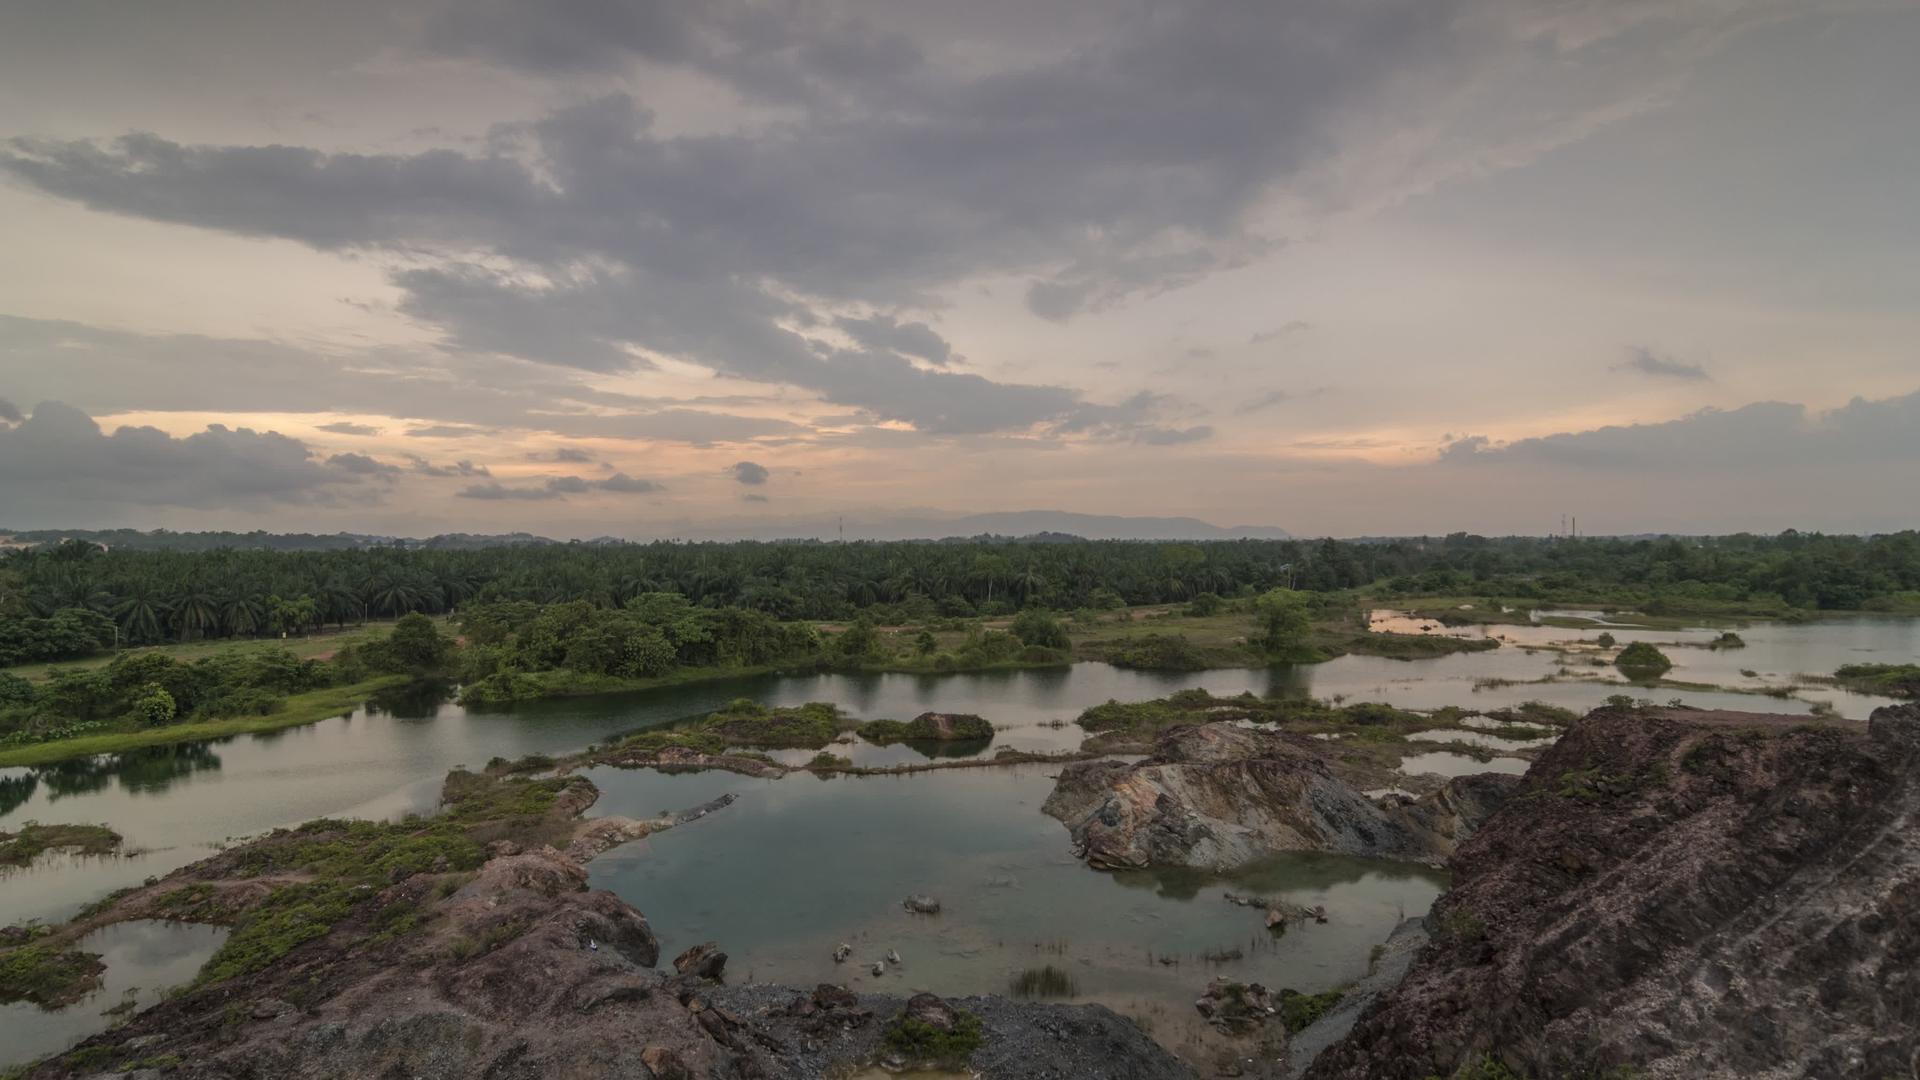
299	709
320	643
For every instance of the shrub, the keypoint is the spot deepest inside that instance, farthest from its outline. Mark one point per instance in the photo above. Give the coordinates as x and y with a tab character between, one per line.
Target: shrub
154	706
1037	627
921	1041
1642	660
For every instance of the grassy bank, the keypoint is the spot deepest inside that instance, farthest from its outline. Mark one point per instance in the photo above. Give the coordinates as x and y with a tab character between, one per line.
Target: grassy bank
299	709
316	645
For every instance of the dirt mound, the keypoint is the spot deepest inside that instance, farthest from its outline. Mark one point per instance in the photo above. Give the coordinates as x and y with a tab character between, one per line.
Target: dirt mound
1217	796
1676	893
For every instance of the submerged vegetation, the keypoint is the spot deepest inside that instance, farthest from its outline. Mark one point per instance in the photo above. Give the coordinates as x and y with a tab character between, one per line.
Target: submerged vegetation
21	847
1043	982
1893	680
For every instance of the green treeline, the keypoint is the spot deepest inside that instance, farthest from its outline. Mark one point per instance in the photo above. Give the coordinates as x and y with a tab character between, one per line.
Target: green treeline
149	690
66	600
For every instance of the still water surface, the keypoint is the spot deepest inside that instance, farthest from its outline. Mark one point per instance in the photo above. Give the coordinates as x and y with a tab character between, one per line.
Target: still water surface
174	803
144	959
800	864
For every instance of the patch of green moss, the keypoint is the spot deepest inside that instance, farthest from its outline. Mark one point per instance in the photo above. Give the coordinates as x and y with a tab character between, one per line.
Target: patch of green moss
47	975
1893	680
468	796
366	852
289	917
960	728
33	839
749	723
1297	1010
920	1041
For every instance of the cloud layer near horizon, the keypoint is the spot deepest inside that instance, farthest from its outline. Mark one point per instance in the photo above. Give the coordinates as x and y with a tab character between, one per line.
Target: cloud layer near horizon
1197	254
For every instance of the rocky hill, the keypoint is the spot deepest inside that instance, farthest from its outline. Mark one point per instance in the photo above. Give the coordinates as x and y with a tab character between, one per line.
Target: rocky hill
1676	894
1220	795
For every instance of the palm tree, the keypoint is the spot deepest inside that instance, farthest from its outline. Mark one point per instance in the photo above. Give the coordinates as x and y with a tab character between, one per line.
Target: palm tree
140	614
195	614
241	614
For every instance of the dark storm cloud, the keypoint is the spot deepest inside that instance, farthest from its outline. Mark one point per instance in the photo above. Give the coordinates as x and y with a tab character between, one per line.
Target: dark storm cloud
9	412
559	487
1765	435
347	428
59	456
1647	362
747	472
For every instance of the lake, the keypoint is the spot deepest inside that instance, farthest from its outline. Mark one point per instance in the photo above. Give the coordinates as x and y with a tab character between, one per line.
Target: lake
800	864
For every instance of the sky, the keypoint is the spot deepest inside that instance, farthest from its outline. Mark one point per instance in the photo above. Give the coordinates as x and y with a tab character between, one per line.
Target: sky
627	267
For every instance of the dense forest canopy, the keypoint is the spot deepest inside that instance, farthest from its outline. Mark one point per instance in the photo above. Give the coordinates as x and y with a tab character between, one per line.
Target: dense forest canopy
61	599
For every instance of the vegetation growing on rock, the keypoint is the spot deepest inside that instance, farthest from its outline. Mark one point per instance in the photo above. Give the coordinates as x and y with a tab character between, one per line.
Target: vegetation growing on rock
1641	660
1893	680
22	846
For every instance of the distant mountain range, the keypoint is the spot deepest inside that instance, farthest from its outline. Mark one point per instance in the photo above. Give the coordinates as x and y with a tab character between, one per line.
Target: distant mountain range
1037	524
1034	525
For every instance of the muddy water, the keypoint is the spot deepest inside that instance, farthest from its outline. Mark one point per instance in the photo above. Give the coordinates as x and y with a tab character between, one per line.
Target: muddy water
144	959
800	865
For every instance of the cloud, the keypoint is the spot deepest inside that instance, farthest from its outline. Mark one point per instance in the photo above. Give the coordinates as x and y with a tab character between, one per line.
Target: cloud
362	465
459	468
909	339
746	472
1295	327
566	455
58	463
444	431
1173	436
752	496
344	427
625	484
559	487
9	412
1265	401
1647	362
1758	437
1125	161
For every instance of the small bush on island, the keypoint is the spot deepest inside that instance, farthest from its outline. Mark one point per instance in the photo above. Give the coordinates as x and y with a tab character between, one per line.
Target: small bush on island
1641	660
928	727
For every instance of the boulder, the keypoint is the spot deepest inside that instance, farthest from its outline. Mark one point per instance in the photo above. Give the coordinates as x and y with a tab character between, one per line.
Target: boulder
921	904
703	961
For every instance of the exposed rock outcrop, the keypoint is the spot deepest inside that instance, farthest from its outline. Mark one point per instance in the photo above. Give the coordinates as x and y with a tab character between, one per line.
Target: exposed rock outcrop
1217	796
509	967
1679	894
